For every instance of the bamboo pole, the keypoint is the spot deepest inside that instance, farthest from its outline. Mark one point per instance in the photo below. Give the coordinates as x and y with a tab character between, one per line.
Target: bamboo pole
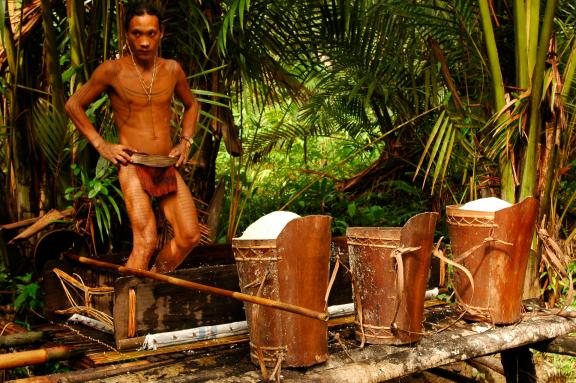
19	339
209	289
39	356
530	167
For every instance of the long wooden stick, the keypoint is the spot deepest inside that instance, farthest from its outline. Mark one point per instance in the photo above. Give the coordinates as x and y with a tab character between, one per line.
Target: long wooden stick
209	289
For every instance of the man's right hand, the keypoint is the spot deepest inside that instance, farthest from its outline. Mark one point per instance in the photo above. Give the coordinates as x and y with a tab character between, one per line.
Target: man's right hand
115	153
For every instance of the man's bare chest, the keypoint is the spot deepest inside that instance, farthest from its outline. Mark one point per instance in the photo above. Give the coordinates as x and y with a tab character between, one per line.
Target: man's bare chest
132	88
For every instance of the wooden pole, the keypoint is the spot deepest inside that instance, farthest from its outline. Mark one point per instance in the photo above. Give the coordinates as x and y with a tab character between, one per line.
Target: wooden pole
209	289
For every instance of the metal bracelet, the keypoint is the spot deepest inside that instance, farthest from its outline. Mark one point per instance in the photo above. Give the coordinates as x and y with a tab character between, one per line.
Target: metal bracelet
187	139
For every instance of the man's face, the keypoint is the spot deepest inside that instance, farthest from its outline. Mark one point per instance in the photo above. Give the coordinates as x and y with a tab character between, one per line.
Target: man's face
143	36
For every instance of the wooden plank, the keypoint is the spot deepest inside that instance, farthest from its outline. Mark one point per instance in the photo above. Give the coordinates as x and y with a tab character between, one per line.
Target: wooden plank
117	356
195	367
201	257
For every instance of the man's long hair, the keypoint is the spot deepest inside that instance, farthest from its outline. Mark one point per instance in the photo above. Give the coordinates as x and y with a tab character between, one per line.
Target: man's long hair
141	8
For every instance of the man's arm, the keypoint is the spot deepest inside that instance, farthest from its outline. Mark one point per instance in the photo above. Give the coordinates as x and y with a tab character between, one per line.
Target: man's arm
190	117
76	109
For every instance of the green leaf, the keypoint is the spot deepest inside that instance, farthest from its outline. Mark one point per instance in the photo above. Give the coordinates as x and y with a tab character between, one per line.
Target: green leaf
26	278
68	73
99	223
116	209
351	209
96	187
19	301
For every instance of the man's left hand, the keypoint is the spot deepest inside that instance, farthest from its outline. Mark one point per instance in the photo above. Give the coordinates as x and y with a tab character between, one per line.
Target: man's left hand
182	151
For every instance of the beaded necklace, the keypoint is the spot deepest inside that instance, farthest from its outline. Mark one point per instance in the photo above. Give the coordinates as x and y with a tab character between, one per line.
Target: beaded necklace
147	88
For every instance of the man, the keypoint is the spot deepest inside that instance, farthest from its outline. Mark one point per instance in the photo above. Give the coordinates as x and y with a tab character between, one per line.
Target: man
140	86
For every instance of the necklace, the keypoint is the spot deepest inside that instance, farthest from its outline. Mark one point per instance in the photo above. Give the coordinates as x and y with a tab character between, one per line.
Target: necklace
147	88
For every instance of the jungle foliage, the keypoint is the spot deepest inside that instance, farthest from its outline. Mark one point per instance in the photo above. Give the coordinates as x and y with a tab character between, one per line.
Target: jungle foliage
367	110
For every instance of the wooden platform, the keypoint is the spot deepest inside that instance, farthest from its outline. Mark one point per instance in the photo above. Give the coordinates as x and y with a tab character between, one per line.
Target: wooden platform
447	340
162	307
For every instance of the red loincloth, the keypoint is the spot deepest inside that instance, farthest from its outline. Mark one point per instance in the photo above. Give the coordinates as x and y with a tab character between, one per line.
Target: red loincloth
157	181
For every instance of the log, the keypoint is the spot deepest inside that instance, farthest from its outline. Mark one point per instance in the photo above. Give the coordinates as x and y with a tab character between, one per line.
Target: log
563	345
20	339
81	376
488	362
446	350
376	363
451	375
194	368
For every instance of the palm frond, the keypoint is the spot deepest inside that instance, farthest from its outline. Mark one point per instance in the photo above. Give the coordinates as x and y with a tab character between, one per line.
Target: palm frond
450	143
52	135
363	56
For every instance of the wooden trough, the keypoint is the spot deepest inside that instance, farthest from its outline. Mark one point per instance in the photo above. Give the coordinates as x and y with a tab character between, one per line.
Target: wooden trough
140	306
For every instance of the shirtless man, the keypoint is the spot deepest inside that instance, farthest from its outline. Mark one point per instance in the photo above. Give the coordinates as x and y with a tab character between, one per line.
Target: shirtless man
140	86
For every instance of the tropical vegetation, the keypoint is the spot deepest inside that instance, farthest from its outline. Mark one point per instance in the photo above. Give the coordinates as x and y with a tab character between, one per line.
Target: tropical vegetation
367	110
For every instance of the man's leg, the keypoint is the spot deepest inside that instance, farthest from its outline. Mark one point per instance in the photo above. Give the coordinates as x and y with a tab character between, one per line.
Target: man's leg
142	218
180	211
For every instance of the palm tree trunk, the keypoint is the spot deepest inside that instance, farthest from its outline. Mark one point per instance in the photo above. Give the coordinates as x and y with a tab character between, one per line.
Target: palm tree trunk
8	38
18	185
